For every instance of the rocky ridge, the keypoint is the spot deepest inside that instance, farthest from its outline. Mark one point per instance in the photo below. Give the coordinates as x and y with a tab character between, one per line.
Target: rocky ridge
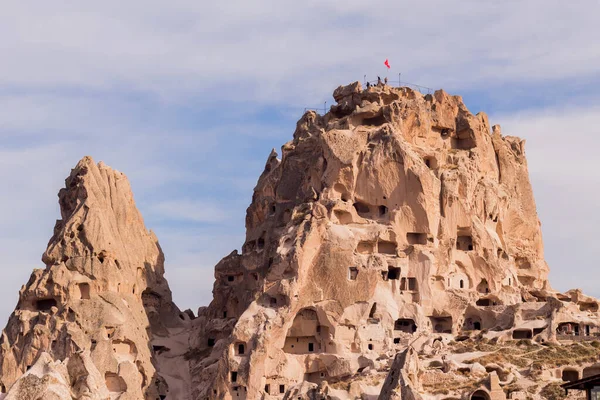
392	251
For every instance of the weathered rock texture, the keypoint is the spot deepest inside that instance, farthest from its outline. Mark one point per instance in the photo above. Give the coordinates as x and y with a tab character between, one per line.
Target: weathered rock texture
102	293
394	215
392	252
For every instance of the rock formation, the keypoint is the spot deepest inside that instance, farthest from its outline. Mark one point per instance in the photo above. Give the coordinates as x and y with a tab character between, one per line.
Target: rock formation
393	251
102	296
392	216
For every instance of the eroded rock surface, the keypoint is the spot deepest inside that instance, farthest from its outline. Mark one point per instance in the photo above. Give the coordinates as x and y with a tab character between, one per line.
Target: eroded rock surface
393	251
102	292
394	215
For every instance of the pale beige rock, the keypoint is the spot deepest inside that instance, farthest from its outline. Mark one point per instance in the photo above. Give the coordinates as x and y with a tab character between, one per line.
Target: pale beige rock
102	292
393	229
394	215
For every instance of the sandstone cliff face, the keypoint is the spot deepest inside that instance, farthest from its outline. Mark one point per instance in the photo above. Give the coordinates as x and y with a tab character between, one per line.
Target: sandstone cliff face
392	252
394	215
102	294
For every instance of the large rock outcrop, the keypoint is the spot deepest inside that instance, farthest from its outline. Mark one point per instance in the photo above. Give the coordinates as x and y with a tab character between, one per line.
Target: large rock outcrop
102	293
393	215
392	251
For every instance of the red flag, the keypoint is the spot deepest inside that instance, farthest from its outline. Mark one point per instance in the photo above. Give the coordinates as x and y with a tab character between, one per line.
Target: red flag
387	63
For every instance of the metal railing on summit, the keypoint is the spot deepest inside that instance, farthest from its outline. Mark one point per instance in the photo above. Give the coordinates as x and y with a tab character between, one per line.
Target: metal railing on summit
317	110
399	83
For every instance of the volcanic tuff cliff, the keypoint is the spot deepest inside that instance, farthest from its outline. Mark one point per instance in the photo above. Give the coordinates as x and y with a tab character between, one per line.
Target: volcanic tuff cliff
394	240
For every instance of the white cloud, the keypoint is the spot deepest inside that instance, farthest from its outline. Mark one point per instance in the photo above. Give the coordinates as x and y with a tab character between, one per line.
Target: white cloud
295	51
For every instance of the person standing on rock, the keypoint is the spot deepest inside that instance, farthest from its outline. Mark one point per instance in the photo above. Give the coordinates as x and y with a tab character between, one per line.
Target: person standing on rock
378	81
385	81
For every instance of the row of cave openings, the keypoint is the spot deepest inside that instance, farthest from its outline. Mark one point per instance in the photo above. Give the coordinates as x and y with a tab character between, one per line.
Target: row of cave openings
241	391
463	243
463	139
255	245
570	374
392	274
45	304
410	283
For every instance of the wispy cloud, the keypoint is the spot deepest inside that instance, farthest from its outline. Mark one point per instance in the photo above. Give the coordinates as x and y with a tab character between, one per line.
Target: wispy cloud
268	50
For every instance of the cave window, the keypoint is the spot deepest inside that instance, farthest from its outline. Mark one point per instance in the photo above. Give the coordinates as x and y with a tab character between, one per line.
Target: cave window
464	243
241	348
412	283
405	325
352	273
84	289
477	325
370	346
522	334
537	331
45	304
393	273
260	243
382	210
362	209
267	388
483	302
397	340
441	324
416	238
372	313
281	389
483	286
233	376
385	247
462	284
430	162
224	314
211	342
570	375
311	347
273	301
230	278
375	121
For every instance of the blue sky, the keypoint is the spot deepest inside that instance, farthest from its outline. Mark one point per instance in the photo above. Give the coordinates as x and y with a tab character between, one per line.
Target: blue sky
188	98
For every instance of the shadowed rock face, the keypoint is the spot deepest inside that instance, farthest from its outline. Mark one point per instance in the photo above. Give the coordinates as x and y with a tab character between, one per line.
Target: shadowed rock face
102	292
395	223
